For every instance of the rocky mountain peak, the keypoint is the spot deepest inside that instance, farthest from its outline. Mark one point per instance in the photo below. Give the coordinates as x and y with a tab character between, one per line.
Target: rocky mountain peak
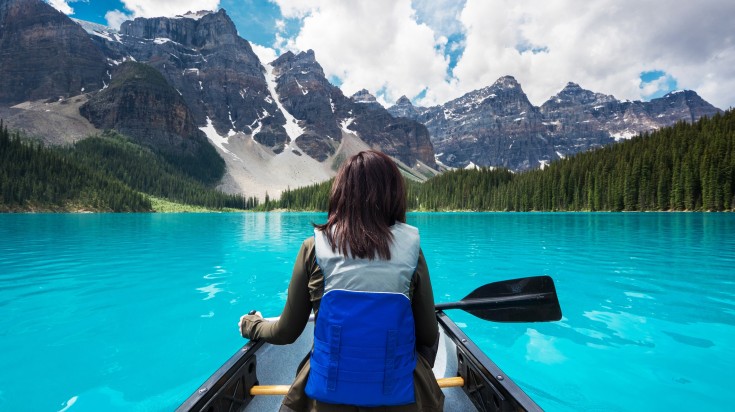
214	69
210	29
325	115
303	63
404	108
194	15
404	101
506	82
678	105
364	97
574	94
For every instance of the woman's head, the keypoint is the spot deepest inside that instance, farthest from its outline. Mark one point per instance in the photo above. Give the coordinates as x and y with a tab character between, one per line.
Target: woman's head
368	196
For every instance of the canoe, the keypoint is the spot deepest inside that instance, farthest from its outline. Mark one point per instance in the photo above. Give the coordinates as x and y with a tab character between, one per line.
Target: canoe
485	387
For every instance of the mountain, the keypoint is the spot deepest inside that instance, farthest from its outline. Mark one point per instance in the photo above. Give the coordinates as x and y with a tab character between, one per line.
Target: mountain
498	126
400	137
215	70
141	104
685	167
304	92
324	114
286	106
404	108
44	54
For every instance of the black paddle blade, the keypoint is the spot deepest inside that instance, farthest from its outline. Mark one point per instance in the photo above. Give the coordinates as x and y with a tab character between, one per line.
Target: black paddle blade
531	299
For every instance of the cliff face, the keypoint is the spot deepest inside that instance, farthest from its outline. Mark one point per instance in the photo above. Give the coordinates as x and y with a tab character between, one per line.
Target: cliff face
214	69
141	104
304	92
405	139
495	126
44	54
324	113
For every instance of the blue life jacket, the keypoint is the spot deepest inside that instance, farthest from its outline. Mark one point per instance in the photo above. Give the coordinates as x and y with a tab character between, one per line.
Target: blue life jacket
364	339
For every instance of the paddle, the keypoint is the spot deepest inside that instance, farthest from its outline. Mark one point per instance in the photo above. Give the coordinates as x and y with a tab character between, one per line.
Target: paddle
531	299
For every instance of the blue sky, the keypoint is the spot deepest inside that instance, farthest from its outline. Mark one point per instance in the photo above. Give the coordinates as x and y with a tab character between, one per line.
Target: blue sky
436	50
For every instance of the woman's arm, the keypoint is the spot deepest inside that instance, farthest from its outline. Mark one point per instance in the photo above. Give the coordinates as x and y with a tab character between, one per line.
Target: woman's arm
295	314
424	313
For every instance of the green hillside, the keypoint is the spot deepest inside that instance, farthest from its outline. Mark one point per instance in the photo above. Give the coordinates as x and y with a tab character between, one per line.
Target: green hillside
34	178
100	173
146	172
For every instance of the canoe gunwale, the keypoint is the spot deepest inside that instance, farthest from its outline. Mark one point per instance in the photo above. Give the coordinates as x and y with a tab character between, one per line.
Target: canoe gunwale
230	384
487	386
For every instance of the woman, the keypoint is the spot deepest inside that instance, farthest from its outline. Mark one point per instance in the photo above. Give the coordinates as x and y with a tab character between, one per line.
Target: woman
365	277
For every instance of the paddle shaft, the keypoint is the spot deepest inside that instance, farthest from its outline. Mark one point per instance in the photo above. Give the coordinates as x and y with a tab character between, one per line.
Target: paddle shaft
489	301
283	389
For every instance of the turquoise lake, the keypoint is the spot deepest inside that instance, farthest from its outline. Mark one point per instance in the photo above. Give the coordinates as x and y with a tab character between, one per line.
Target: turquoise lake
132	312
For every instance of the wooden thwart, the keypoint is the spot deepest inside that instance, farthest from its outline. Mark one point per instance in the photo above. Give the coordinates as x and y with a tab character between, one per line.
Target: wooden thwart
283	389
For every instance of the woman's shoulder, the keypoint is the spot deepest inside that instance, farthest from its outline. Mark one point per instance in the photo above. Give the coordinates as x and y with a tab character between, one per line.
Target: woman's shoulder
308	243
404	227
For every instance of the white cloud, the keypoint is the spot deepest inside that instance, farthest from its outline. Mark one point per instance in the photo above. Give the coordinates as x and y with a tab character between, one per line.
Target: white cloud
265	54
603	45
115	18
377	45
441	15
158	8
62	6
655	86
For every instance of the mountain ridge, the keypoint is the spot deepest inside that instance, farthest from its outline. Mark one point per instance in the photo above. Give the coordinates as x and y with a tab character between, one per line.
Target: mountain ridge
498	126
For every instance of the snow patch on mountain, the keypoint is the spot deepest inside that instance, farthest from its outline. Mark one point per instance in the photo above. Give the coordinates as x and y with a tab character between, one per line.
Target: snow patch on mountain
345	124
623	135
214	137
292	126
193	15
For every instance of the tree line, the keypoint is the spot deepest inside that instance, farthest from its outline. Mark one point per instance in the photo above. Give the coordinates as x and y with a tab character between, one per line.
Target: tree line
33	177
101	173
686	167
143	170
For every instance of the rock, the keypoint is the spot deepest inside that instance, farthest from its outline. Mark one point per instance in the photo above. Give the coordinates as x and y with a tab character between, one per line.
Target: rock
44	54
140	104
402	138
215	70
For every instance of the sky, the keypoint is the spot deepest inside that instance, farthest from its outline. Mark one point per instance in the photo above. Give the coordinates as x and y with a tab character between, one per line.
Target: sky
433	51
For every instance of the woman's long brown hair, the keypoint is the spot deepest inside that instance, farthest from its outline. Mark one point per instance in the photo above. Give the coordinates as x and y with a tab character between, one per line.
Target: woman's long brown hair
368	197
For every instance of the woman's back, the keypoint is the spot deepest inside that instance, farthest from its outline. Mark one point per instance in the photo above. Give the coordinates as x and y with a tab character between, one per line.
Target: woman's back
366	279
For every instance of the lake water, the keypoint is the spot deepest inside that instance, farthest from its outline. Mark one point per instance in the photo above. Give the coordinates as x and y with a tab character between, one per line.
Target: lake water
132	312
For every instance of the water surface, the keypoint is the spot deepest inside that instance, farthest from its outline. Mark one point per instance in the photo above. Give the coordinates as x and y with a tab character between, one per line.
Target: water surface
133	312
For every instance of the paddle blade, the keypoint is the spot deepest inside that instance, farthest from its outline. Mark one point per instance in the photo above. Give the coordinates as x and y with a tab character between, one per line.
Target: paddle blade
531	299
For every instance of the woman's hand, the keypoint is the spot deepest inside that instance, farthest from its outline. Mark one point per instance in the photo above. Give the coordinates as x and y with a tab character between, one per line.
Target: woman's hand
253	315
